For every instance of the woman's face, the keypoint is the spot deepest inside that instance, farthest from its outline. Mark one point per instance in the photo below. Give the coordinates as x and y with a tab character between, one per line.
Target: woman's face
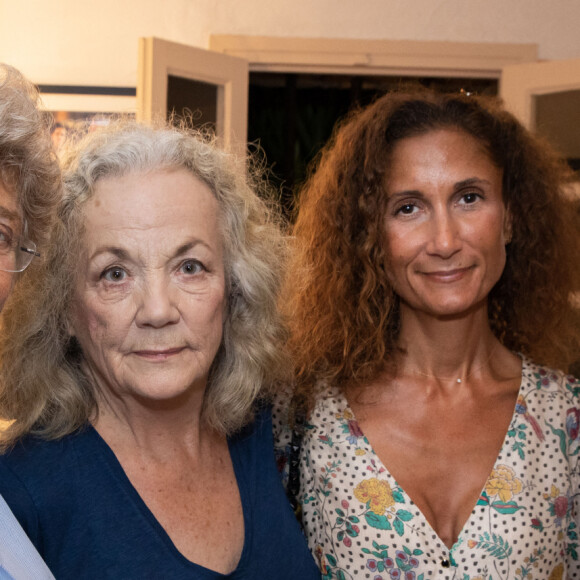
150	294
446	223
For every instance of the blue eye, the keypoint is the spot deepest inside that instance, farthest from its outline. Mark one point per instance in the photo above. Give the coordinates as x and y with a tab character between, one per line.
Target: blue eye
191	267
114	274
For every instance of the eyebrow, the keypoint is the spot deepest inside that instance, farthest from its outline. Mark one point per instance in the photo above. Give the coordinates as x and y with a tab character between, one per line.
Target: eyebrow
9	214
471	181
188	246
118	252
122	254
459	185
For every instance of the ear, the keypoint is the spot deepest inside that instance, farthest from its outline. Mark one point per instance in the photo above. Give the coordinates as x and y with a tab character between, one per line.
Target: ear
507	227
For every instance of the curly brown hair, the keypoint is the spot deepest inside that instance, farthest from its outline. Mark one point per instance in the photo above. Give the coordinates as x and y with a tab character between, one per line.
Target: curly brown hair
340	306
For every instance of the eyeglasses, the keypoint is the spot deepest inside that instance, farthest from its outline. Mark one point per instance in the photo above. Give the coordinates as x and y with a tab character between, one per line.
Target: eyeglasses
17	255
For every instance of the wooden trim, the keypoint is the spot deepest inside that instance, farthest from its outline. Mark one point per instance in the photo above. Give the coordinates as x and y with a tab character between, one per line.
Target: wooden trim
145	80
520	84
373	57
160	58
88	103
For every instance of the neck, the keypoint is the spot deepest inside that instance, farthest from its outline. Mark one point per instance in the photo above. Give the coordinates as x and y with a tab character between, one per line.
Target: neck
155	428
447	349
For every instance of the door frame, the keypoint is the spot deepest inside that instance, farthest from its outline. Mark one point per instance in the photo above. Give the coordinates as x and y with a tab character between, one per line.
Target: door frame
158	59
520	84
373	57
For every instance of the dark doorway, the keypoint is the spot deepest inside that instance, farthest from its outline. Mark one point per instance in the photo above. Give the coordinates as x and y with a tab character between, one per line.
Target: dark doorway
182	92
291	116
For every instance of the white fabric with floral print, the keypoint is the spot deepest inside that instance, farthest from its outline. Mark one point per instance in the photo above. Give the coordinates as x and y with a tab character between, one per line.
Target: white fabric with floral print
361	524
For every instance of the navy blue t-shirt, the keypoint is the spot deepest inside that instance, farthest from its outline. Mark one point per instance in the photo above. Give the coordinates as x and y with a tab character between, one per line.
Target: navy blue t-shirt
80	510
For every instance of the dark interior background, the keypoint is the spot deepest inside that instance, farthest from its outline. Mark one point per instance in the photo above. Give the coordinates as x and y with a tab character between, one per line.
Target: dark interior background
291	116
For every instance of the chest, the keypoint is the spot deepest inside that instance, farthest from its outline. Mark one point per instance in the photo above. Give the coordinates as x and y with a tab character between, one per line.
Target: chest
358	510
88	521
199	507
449	452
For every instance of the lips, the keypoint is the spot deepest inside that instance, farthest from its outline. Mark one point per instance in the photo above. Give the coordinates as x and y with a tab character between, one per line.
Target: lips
451	275
158	354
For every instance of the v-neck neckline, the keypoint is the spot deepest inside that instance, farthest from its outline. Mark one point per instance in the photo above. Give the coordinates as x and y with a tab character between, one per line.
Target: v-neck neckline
343	405
157	528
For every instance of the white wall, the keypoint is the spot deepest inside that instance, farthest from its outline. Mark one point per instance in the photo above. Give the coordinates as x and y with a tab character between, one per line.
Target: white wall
83	42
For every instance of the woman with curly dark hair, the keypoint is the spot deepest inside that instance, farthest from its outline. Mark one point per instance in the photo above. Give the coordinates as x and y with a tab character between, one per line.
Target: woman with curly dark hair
429	298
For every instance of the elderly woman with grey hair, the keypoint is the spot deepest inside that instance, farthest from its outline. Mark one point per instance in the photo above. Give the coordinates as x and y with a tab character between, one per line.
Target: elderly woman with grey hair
29	192
143	346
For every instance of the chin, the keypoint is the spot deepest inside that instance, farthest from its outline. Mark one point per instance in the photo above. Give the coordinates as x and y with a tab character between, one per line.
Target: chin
169	399
447	307
164	389
456	310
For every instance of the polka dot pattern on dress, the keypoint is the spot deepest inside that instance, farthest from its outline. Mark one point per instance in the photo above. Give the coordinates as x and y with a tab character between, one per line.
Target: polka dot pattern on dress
361	524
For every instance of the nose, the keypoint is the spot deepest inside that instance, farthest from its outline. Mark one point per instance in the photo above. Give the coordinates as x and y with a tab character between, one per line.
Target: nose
157	303
444	240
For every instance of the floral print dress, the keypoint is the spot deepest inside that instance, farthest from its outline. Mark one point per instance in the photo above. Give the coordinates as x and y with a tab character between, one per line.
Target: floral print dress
361	524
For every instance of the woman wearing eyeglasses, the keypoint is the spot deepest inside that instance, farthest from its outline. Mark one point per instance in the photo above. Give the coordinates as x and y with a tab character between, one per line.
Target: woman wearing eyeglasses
29	191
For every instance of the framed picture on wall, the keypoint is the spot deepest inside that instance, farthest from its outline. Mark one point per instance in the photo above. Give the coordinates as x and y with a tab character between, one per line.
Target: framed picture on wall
76	108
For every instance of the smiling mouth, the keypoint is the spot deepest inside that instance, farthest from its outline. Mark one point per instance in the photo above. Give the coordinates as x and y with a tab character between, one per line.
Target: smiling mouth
447	275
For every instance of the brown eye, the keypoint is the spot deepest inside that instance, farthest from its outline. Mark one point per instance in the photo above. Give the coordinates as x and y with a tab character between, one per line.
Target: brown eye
406	209
470	198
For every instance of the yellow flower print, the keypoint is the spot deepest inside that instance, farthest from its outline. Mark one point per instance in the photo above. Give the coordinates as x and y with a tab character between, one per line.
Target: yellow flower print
557	572
503	483
321	559
377	492
346	414
360	451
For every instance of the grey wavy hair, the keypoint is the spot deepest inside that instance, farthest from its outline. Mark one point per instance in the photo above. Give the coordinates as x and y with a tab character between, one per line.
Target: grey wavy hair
28	164
42	367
